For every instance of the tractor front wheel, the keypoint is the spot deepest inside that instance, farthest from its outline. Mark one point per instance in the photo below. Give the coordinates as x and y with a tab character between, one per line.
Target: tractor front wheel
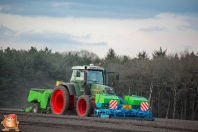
83	107
59	101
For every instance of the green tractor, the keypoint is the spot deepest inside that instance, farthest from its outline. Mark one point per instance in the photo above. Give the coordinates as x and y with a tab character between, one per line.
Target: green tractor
77	95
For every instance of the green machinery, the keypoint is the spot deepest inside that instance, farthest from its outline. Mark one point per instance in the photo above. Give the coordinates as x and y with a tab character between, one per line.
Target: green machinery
40	99
80	95
132	107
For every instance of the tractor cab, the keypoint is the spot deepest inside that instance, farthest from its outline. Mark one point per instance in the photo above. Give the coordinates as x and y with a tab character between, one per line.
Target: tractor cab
95	74
91	79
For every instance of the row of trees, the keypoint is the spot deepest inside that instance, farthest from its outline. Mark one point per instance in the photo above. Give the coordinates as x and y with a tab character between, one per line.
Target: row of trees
169	82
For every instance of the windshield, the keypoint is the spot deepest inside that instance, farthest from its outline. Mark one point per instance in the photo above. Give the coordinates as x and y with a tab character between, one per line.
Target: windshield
95	77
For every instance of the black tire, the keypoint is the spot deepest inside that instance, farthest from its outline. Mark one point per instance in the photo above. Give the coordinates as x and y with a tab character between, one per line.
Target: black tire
59	101
84	106
36	108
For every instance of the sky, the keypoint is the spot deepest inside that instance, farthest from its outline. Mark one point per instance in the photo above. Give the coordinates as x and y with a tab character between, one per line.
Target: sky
126	26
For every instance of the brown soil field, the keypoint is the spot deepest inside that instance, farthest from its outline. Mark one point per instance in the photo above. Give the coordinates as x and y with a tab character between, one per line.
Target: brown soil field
29	122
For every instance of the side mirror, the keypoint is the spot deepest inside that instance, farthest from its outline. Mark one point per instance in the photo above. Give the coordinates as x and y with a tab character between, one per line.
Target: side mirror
78	74
117	77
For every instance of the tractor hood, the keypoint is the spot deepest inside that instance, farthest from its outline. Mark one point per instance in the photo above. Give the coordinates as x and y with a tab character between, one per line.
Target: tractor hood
100	89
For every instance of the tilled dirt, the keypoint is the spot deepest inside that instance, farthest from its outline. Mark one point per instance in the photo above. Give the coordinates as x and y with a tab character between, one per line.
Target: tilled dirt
30	122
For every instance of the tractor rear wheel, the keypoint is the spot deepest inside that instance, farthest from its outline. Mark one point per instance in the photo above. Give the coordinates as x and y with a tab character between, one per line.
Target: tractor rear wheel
83	107
59	101
36	108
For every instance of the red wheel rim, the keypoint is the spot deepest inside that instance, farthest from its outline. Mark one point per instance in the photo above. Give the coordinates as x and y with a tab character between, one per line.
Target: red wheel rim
58	101
82	107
